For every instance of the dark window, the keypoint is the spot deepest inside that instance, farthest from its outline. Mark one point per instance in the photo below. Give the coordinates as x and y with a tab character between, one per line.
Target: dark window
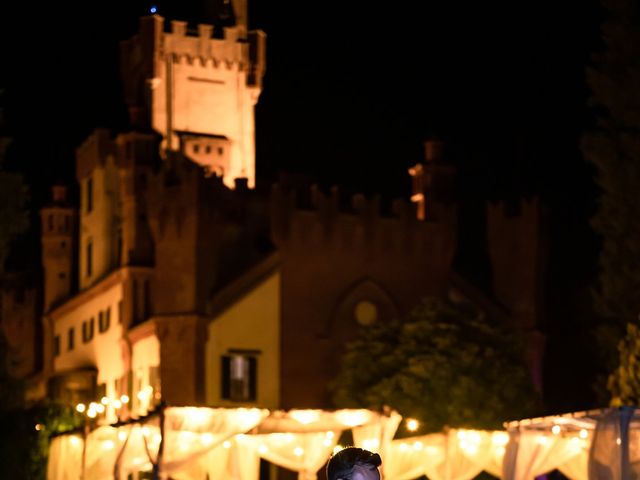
154	379
67	224
130	385
101	391
87	330
135	303
63	244
71	339
239	375
207	149
89	258
89	195
196	148
119	247
51	223
56	345
19	296
62	275
220	150
104	319
147	299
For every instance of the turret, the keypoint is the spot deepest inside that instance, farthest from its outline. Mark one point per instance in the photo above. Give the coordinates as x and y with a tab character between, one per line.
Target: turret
58	221
433	184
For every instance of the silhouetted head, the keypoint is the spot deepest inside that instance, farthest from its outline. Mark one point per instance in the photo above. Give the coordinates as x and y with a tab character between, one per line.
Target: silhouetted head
353	463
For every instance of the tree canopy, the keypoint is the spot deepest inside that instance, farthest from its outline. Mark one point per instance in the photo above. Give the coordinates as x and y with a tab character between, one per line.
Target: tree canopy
613	146
624	382
444	363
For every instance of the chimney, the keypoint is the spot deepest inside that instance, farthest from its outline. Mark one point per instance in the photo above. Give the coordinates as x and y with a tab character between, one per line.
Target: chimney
433	150
59	193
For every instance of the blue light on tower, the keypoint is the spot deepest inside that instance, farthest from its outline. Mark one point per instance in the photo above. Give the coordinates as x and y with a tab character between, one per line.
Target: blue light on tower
153	9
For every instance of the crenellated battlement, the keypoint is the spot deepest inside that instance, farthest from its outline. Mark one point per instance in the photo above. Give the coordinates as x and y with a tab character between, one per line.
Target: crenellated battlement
230	49
315	219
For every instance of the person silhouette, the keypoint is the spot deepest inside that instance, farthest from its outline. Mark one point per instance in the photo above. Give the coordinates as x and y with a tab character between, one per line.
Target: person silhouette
354	463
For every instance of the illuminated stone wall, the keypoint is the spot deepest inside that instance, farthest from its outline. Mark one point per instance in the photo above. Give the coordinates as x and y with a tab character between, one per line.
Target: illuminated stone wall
251	324
343	269
177	82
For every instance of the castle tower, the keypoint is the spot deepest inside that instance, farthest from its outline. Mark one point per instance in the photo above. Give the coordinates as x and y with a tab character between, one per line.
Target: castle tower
135	156
58	247
198	91
518	253
97	176
433	184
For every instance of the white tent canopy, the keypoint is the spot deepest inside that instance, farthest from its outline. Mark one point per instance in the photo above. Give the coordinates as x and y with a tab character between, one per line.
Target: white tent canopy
191	443
592	445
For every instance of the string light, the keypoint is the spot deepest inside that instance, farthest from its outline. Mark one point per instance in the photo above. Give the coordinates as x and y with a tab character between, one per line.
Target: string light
207	439
555	429
412	424
81	407
583	433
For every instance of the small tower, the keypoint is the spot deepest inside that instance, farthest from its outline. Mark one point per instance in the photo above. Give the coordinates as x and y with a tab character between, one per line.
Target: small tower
58	247
433	184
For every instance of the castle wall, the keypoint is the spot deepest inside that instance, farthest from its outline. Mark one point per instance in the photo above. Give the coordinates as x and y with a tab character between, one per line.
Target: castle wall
251	324
341	271
145	362
98	179
99	349
517	245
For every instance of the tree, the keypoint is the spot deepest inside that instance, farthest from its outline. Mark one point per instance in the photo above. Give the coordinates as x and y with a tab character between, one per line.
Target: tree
14	215
624	382
444	363
613	146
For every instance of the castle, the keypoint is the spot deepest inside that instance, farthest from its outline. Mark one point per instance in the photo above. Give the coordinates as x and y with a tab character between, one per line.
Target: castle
175	279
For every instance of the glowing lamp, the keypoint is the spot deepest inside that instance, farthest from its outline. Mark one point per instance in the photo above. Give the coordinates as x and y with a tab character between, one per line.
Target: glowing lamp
412	424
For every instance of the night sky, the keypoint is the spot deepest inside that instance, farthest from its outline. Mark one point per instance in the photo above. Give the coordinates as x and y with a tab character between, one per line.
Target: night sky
351	91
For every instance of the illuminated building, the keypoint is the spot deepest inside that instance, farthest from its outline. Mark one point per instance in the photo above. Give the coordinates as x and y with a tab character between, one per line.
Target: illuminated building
175	279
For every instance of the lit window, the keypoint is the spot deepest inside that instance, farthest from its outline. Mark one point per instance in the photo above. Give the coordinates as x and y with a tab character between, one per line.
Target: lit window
239	375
